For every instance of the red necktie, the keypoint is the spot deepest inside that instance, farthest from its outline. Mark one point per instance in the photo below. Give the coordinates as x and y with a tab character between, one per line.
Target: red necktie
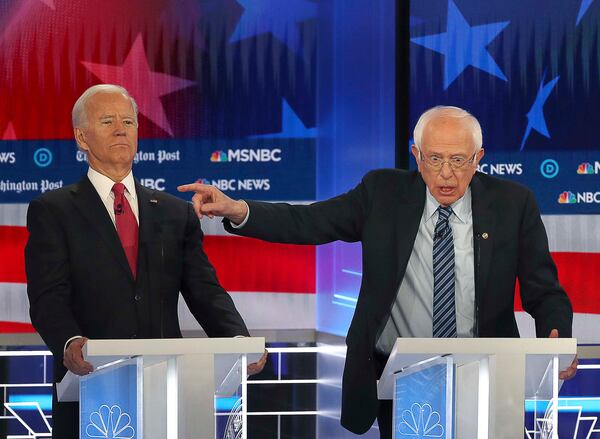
127	226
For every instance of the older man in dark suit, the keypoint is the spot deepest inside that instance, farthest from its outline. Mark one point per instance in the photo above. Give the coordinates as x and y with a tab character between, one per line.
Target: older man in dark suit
442	250
107	258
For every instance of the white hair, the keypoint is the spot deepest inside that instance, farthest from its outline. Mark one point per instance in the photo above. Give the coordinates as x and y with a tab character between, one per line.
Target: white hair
79	114
453	112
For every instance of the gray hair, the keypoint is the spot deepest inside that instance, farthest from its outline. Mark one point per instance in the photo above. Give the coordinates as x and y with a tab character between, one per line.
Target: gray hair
79	115
448	111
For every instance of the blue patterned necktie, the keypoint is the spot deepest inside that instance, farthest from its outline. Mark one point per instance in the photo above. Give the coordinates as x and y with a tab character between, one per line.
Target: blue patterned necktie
444	310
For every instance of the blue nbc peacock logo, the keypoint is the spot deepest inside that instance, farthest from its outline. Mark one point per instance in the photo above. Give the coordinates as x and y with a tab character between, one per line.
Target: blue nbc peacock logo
421	421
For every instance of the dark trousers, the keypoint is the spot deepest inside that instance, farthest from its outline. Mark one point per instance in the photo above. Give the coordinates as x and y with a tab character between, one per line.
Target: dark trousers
384	415
384	419
65	418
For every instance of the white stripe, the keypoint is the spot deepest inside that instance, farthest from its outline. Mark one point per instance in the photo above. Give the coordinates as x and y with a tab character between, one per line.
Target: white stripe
213	227
259	310
14	305
585	326
279	311
13	214
265	311
573	233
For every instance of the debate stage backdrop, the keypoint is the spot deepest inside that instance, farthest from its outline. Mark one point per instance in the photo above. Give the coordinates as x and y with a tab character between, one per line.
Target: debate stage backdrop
529	70
227	94
231	92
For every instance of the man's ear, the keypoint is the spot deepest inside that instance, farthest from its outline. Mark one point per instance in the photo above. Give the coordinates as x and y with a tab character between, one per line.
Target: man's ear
480	155
80	139
416	154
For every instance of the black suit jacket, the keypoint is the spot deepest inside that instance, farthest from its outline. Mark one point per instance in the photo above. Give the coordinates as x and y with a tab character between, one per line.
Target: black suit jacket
79	281
384	212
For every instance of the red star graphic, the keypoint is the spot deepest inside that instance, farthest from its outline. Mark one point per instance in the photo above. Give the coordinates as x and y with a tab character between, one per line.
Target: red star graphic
144	85
9	132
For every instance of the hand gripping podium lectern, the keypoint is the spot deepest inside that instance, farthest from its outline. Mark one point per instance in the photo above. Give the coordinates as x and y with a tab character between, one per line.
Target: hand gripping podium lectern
469	388
160	388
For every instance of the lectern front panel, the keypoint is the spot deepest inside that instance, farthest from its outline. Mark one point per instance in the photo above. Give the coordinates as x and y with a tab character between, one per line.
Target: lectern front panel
111	402
424	400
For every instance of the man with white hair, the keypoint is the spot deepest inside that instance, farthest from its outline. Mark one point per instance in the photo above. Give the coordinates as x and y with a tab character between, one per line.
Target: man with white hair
442	250
107	258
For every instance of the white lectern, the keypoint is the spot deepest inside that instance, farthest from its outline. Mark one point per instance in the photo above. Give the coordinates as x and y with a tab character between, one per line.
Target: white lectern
159	388
473	388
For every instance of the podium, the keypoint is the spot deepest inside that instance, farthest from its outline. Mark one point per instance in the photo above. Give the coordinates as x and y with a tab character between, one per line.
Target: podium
473	387
160	388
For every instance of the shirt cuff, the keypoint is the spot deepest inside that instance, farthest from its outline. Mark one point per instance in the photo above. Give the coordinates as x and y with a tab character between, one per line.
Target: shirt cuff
69	341
243	223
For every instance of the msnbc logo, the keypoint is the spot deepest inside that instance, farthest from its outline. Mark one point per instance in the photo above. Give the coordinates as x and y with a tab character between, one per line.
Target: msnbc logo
219	156
567	197
587	168
246	155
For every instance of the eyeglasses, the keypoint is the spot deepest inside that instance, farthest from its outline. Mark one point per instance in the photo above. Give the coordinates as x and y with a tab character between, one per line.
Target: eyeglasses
436	163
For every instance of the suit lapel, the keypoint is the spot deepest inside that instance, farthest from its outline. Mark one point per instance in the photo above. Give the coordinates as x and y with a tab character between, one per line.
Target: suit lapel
91	207
484	223
408	217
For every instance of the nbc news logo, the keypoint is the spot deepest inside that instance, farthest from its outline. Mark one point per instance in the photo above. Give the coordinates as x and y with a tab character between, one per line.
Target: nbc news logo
568	197
587	168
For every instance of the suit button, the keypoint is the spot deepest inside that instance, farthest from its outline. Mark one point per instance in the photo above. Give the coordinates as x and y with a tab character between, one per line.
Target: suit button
138	297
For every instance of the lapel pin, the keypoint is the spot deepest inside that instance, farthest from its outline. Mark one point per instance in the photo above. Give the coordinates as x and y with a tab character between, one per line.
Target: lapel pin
485	235
154	201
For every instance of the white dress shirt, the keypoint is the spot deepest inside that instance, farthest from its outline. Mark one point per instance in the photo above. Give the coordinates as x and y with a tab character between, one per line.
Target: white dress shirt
412	311
104	185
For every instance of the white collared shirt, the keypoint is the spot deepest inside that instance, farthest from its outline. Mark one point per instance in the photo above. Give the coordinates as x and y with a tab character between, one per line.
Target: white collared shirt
104	185
412	311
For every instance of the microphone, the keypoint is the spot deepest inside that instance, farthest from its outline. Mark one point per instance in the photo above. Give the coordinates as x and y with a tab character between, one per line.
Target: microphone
119	209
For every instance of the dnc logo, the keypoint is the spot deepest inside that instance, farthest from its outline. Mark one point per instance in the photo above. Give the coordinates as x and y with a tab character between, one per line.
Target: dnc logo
587	168
549	168
567	197
218	157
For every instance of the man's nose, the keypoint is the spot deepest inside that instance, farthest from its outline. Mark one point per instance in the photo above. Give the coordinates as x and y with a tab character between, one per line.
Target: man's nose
446	171
120	129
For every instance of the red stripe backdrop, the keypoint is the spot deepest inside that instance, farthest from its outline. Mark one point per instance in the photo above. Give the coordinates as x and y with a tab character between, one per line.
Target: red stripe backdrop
12	257
263	267
257	266
579	274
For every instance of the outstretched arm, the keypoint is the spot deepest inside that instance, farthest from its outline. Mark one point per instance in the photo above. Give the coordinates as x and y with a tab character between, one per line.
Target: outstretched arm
338	218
